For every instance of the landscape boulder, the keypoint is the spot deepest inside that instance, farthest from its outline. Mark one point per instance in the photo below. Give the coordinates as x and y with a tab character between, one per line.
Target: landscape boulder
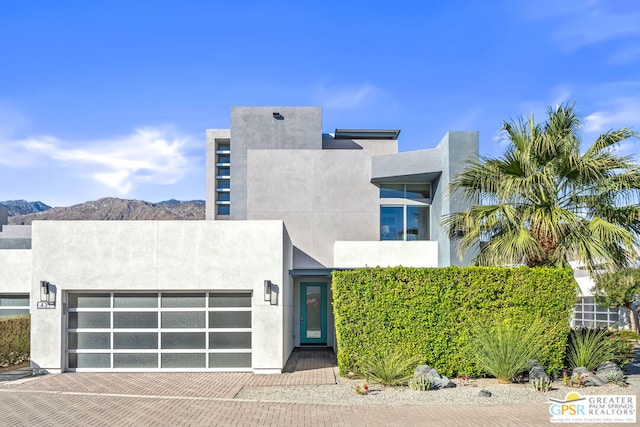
439	381
588	379
536	371
606	367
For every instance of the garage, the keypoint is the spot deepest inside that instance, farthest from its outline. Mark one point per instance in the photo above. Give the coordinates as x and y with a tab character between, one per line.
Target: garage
152	331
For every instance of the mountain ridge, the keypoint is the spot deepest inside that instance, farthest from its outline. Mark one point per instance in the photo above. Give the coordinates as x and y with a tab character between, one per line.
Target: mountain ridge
115	209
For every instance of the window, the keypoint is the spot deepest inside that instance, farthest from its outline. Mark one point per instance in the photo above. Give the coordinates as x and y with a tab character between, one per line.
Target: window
223	173
405	191
588	314
408	218
408	222
12	304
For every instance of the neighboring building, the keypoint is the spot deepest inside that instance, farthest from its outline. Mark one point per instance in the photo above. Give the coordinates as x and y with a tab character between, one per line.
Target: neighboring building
587	313
286	205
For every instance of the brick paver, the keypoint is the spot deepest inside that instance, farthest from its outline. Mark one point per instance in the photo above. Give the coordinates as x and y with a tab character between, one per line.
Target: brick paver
206	399
47	409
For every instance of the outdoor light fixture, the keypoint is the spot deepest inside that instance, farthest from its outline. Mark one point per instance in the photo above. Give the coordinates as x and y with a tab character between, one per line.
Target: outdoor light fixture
267	290
47	295
271	292
278	116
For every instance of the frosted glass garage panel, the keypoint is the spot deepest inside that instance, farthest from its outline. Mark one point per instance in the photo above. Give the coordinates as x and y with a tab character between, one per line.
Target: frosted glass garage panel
230	360
135	340
135	360
183	360
183	340
186	300
183	319
135	300
89	360
134	319
230	340
89	340
93	320
230	319
230	300
89	300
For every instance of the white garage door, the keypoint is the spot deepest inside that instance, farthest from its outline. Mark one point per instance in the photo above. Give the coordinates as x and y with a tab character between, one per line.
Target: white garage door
193	331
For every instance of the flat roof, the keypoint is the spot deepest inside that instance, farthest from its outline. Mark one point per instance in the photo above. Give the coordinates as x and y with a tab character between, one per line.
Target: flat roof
367	133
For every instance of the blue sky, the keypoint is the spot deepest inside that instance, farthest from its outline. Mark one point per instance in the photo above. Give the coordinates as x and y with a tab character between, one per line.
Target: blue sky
112	98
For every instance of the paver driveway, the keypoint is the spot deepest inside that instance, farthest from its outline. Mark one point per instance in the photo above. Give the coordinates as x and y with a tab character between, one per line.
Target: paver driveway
207	399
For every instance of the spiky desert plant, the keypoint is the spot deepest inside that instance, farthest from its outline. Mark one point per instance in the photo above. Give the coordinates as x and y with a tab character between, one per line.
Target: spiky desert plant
504	350
388	368
420	383
588	348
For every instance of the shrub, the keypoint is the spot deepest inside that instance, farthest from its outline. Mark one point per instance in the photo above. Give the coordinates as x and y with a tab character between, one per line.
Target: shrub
14	339
420	383
622	350
626	334
504	350
388	368
427	312
588	348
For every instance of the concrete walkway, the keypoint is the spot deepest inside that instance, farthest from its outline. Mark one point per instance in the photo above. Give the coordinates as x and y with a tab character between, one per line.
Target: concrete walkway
207	399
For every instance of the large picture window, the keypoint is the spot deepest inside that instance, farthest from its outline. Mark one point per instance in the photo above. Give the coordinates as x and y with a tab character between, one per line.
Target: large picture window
406	222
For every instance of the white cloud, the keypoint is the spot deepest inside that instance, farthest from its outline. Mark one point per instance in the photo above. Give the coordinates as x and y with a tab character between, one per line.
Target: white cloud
121	163
345	97
582	23
620	112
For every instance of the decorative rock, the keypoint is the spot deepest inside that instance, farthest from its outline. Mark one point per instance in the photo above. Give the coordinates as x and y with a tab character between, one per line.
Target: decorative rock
484	393
439	381
536	371
606	367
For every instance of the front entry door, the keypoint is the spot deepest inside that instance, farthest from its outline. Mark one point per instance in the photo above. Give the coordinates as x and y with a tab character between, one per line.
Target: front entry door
313	313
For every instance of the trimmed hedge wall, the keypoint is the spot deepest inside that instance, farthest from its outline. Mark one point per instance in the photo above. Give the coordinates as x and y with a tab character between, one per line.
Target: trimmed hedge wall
427	312
14	339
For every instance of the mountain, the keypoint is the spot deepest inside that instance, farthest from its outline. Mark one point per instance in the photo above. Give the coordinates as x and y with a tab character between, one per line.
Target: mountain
112	209
22	207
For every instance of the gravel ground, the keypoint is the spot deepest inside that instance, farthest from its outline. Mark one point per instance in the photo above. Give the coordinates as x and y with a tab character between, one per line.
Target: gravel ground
463	395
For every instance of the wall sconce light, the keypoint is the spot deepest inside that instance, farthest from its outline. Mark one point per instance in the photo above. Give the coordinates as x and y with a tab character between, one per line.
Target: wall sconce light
47	295
278	116
267	290
271	292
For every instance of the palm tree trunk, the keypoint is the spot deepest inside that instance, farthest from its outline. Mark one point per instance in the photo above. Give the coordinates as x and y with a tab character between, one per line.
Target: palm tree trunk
633	317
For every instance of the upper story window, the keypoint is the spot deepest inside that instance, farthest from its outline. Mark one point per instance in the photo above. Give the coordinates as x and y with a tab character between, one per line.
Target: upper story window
408	216
408	222
223	177
405	191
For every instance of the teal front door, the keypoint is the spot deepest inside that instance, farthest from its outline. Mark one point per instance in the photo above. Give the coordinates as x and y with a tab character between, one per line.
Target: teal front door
313	313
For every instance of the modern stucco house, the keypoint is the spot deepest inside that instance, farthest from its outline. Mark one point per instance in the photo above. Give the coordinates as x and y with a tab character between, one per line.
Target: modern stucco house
286	205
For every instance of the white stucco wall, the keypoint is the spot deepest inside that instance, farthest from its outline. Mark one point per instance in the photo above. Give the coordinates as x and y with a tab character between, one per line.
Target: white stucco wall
15	271
161	255
385	254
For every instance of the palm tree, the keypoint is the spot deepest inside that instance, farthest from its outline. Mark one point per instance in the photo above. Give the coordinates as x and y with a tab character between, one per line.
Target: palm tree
544	202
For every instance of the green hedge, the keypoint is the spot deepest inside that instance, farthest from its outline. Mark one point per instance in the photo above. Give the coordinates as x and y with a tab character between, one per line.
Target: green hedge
427	312
14	339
